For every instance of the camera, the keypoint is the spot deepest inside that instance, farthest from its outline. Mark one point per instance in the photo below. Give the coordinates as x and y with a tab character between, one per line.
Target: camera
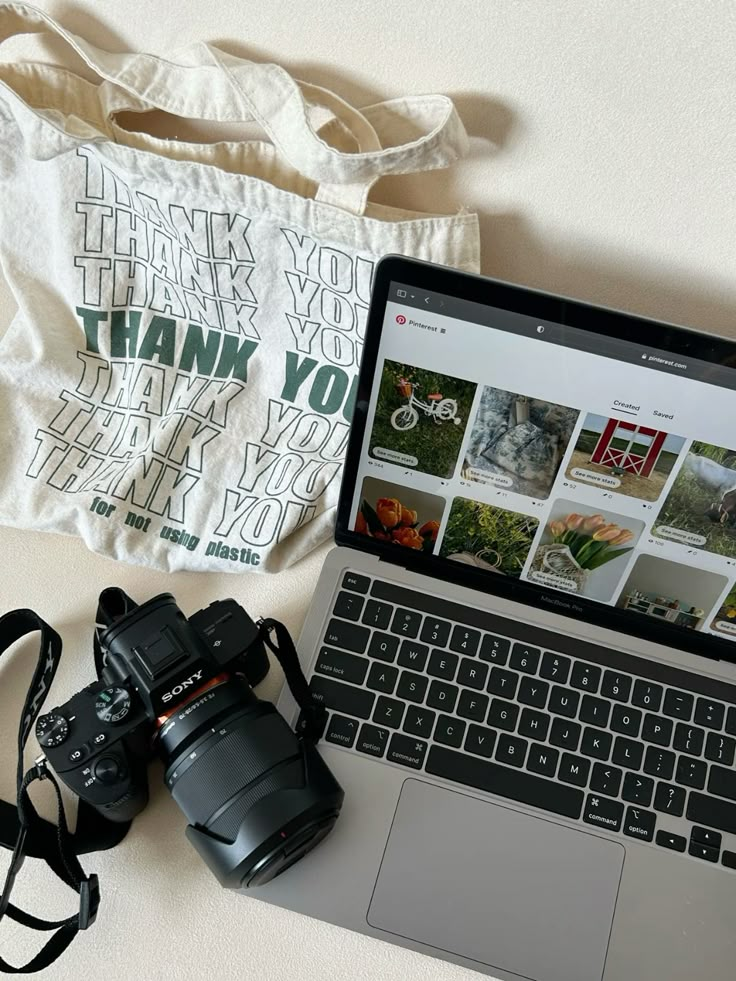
257	796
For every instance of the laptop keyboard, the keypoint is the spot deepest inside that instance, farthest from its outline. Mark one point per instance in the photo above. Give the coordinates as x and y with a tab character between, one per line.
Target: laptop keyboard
615	741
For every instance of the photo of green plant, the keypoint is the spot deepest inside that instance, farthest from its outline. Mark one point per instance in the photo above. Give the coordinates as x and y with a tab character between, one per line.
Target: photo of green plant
702	501
725	619
488	537
420	418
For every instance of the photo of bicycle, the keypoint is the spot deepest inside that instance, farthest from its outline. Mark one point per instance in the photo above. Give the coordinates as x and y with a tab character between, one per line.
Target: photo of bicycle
420	418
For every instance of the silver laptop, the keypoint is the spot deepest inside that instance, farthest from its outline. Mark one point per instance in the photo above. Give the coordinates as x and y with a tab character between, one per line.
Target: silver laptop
526	640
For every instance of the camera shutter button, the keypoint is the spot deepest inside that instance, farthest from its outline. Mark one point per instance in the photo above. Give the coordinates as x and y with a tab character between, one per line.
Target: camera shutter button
108	770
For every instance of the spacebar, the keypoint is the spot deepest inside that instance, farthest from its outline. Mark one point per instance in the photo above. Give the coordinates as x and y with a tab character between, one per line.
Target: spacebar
512	784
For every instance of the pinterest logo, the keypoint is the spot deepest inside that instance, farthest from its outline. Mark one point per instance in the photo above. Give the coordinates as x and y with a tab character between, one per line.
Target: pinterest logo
401	319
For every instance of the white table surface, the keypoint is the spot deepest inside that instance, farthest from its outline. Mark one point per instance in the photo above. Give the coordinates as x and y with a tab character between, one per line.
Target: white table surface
603	149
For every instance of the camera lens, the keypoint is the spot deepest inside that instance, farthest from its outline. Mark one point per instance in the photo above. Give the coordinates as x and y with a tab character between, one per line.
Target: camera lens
255	796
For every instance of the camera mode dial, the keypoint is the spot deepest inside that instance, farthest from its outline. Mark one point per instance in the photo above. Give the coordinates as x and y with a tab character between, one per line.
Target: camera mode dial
112	705
51	730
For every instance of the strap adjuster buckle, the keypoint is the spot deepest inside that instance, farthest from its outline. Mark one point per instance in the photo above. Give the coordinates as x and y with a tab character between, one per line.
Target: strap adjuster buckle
89	901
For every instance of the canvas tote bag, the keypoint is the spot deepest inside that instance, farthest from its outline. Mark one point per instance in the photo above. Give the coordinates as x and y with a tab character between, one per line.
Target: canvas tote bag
177	385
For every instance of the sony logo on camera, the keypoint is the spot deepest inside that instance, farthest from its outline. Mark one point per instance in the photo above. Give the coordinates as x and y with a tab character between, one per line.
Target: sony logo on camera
182	686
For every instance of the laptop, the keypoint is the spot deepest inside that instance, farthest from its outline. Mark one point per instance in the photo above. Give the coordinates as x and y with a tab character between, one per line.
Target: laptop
526	639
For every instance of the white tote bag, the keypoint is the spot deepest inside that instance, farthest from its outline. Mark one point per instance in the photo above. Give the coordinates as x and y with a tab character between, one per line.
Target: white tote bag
177	385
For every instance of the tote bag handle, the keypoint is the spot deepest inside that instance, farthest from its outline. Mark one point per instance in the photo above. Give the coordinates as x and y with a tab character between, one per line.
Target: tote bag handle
220	87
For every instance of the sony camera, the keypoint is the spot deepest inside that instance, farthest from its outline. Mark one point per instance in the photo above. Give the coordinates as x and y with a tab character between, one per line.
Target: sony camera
256	795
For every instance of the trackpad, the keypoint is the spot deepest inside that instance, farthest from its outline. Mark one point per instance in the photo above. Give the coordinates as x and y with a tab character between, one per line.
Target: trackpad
514	892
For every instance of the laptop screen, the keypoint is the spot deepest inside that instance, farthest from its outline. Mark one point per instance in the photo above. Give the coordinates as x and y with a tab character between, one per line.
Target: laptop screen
595	470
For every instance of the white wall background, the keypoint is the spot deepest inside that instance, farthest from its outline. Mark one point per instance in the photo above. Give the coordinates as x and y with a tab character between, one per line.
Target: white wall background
603	151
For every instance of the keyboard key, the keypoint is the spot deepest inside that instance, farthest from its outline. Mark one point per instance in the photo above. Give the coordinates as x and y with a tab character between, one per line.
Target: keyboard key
555	668
511	750
525	658
382	677
628	753
638	790
705	852
435	631
564	701
710	714
669	799
412	654
495	649
657	729
412	687
729	860
480	741
534	724
666	839
383	647
585	676
472	674
626	720
449	731
338	664
691	773
388	712
731	721
341	730
406	622
372	740
377	614
712	812
707	837
418	721
533	692
349	636
678	704
574	770
616	686
442	696
603	813
465	640
348	606
513	784
595	711
356	582
472	705
406	751
565	734
639	823
722	782
503	715
503	682
596	744
720	749
342	698
442	664
647	695
659	763
689	739
606	779
542	759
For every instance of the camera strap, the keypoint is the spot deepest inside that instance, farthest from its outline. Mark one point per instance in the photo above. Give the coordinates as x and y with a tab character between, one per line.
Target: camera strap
29	835
313	716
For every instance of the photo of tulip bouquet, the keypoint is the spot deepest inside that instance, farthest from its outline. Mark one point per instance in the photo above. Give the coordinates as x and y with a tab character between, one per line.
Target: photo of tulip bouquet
592	540
411	519
577	551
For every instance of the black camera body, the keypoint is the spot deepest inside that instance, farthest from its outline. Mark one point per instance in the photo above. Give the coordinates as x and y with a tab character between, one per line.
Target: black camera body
256	795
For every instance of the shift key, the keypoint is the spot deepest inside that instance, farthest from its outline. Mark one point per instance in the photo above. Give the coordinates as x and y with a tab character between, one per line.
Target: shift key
349	636
342	698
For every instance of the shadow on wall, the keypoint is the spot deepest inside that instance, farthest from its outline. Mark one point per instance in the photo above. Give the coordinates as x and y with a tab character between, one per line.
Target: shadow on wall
511	248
